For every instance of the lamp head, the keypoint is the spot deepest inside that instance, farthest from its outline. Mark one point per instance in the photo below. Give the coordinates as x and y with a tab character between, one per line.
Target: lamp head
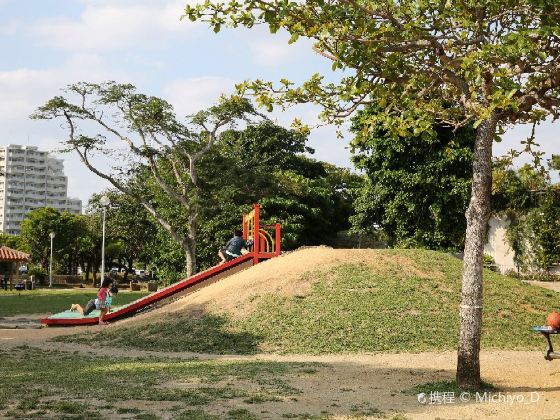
104	201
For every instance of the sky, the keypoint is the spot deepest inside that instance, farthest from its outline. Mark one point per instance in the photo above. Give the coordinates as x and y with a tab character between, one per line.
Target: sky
48	44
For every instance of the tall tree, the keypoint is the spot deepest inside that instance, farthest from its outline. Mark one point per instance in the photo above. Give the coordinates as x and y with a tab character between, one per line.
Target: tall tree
35	235
89	246
114	121
418	188
68	240
489	63
267	163
11	241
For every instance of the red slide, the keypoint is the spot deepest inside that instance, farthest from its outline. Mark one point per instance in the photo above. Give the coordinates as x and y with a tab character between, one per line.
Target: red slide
265	245
73	318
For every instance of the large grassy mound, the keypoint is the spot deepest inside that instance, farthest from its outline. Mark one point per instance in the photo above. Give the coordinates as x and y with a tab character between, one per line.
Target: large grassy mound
339	301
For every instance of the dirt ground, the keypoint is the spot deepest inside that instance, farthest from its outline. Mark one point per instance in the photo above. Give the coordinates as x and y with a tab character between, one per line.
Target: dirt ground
379	384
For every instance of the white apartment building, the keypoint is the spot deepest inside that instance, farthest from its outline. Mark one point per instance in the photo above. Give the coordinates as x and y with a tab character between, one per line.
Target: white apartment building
30	178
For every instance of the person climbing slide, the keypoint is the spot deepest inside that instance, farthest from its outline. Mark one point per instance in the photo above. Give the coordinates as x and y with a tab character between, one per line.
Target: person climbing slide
234	247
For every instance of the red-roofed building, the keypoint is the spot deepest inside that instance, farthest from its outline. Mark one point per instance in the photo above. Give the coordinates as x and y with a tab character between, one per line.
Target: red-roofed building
10	260
12	255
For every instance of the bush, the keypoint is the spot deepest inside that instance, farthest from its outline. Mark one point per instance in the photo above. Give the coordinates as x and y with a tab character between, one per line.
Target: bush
39	274
541	276
513	273
489	260
490	263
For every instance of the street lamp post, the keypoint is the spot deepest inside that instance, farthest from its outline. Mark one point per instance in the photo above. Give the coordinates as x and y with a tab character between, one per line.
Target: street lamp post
104	201
50	262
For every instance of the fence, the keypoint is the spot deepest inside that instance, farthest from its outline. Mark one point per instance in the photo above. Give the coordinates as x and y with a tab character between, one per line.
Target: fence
526	271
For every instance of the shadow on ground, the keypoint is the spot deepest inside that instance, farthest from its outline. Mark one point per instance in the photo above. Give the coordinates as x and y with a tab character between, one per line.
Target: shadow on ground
198	331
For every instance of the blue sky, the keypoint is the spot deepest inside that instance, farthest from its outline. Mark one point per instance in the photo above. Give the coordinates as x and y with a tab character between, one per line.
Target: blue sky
48	44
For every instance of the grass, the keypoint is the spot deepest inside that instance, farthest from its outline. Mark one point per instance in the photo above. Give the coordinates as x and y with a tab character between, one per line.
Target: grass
205	334
43	301
36	381
407	304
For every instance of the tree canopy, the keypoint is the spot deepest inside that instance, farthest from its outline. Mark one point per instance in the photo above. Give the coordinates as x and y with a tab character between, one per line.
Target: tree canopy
415	57
142	133
417	188
36	229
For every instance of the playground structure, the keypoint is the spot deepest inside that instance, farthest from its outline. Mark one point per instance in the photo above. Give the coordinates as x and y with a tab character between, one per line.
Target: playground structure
266	245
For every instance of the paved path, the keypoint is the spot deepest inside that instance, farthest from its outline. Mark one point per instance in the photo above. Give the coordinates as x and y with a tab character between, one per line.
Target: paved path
551	285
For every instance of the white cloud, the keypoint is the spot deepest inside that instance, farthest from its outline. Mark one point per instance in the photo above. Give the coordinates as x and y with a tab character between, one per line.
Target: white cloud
106	26
271	53
16	90
191	95
273	50
23	90
11	27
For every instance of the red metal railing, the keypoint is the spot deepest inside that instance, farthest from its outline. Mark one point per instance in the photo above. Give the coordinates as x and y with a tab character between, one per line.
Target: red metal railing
264	244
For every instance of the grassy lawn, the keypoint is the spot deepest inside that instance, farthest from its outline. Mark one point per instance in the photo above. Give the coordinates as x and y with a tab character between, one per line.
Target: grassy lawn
356	308
41	384
43	301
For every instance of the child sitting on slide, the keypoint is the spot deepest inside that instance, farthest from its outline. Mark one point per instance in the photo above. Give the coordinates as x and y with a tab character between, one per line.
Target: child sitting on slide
107	292
86	310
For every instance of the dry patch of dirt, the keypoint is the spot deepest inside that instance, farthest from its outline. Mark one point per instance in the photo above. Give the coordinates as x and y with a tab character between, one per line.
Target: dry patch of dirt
379	386
23	337
529	308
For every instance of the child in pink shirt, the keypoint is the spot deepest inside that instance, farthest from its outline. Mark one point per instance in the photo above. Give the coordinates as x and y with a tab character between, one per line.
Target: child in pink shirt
104	299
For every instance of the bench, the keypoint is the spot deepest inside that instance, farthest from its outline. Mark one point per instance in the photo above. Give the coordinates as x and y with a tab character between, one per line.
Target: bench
547	331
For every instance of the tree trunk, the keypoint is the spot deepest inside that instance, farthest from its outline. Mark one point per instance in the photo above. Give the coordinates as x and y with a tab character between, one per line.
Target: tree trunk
190	257
477	214
128	268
